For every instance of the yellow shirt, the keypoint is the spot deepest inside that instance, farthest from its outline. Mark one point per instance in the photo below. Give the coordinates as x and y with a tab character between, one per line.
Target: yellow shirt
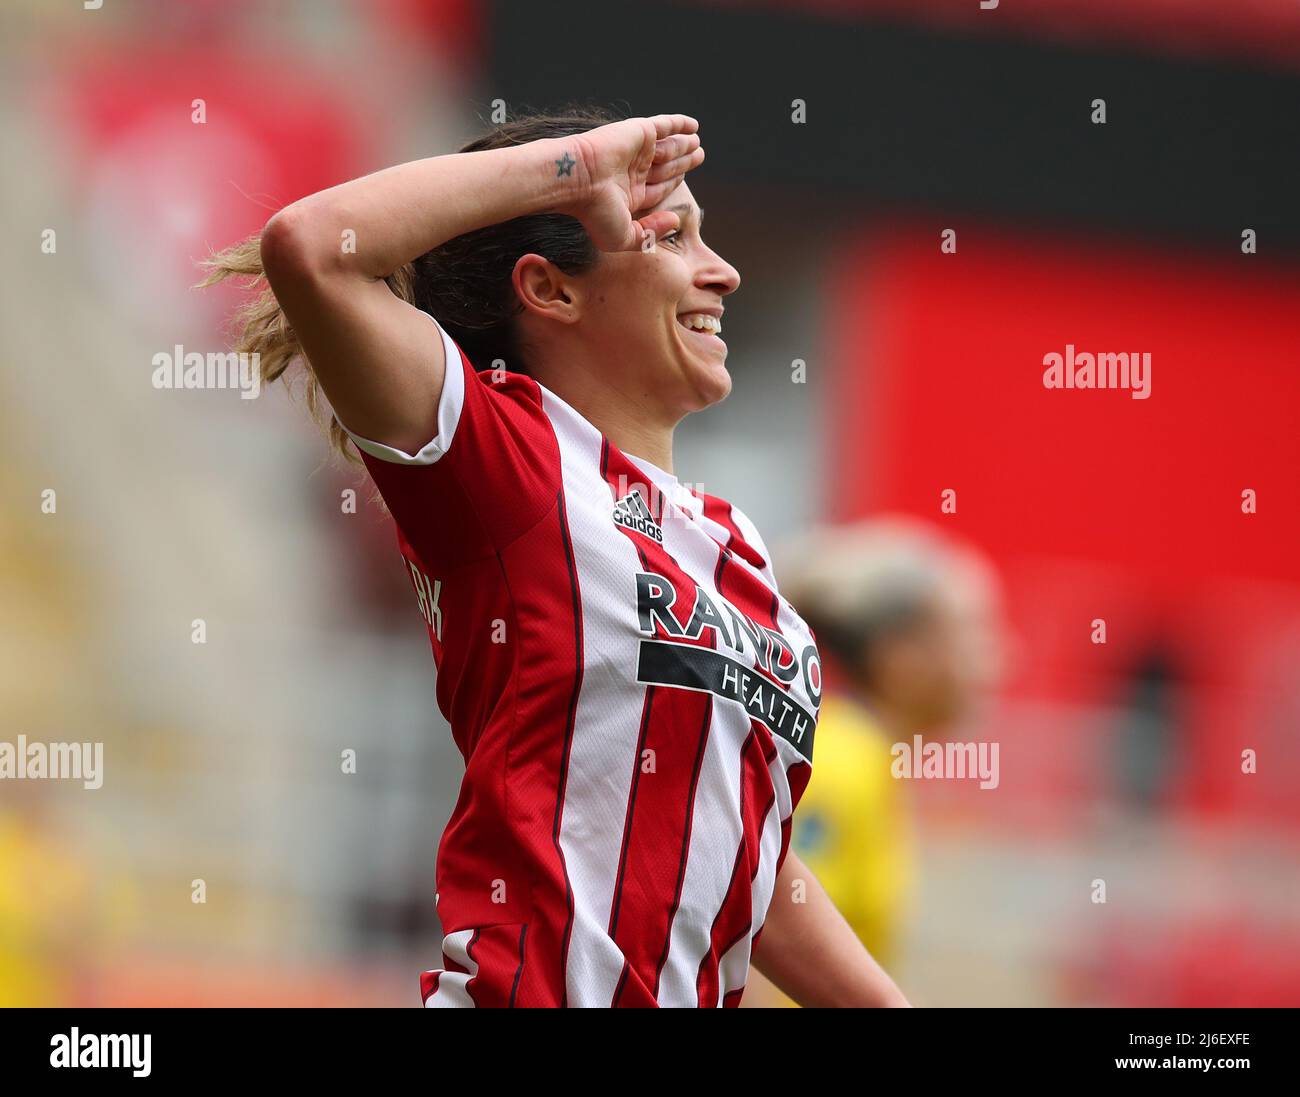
38	884
851	826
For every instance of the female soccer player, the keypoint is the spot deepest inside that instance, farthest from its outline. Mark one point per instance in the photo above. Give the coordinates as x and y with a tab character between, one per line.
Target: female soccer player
634	700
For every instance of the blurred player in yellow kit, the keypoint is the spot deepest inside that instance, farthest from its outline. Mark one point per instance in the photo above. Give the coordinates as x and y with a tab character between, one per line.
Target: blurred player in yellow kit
908	622
42	895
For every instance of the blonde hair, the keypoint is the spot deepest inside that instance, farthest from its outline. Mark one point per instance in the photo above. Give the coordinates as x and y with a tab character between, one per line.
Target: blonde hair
264	330
857	584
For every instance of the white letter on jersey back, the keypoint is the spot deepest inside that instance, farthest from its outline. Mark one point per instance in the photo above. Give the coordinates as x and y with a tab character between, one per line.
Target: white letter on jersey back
428	593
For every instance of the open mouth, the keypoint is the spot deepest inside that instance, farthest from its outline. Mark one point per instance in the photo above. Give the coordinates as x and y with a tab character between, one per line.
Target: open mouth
703	326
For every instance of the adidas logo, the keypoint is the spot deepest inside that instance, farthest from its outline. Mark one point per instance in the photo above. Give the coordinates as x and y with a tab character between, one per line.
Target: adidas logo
630	512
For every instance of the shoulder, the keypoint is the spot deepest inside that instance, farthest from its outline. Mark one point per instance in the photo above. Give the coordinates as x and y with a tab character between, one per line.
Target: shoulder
488	473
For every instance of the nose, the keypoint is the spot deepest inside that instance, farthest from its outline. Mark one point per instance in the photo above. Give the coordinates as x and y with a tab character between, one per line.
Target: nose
716	274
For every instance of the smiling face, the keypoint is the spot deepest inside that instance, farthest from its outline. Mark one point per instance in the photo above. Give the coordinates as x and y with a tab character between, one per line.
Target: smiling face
657	315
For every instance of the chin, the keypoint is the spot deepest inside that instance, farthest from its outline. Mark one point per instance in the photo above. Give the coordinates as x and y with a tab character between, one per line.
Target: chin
711	385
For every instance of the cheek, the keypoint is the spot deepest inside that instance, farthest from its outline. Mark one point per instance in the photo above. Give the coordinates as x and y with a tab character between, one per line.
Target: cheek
658	279
945	668
637	293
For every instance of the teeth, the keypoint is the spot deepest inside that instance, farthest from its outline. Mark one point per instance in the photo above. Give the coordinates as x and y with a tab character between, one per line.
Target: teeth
699	321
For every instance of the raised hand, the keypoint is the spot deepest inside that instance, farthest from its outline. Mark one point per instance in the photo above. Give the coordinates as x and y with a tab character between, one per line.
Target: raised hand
620	170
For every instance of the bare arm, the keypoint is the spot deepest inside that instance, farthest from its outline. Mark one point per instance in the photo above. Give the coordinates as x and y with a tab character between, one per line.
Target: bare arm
811	953
374	354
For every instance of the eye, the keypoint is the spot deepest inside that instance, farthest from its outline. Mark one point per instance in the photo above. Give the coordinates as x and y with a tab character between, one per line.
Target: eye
673	237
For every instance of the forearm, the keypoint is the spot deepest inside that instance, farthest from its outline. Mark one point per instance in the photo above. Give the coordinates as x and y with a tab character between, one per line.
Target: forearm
402	212
811	953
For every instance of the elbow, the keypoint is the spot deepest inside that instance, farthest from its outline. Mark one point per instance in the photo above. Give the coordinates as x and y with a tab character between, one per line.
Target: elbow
286	246
300	244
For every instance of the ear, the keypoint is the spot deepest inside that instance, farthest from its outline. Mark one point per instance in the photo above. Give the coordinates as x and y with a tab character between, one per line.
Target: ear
545	290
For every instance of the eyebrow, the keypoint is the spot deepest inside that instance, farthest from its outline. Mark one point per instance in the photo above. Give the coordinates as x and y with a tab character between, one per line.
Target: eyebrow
684	210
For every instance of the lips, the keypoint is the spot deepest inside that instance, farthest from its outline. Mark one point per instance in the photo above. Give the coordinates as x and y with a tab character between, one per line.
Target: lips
703	325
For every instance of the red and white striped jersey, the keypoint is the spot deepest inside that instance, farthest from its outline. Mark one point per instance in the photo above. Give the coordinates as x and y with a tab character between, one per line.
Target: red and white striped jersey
634	701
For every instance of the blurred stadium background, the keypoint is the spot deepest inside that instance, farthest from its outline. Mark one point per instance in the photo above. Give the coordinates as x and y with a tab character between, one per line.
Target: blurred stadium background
222	759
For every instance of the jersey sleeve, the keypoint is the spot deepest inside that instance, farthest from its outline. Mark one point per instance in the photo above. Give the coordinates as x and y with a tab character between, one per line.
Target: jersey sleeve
489	472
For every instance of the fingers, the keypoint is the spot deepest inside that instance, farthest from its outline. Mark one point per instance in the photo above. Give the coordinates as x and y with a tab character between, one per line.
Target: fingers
660	173
643	161
677	150
668	124
676	146
657	192
660	222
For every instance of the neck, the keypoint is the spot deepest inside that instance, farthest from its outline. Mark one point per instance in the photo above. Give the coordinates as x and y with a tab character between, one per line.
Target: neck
631	424
640	440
